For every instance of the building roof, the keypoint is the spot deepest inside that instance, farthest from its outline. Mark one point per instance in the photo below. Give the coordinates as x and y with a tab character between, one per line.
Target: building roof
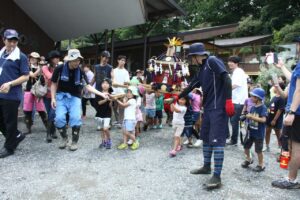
207	32
242	41
72	18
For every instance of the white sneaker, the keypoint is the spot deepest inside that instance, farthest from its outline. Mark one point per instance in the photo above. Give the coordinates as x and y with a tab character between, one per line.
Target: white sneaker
198	143
130	142
98	128
186	142
266	149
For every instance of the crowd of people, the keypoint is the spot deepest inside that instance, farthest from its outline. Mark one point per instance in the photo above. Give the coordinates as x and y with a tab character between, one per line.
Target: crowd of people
201	110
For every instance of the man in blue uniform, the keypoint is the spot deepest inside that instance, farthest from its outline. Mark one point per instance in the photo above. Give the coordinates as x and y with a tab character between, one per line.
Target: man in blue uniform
14	70
216	86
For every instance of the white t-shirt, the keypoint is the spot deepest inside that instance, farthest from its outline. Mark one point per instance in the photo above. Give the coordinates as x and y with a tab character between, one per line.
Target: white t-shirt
178	118
150	101
239	94
121	76
129	112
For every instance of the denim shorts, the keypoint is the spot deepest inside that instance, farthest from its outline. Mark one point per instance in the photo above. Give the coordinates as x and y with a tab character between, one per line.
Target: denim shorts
187	131
129	125
196	116
150	113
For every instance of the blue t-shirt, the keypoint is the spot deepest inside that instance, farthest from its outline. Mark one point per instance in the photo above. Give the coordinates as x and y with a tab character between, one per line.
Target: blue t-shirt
256	129
11	70
295	76
213	87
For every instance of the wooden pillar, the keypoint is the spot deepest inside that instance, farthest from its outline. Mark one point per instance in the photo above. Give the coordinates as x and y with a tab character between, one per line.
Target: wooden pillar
145	51
112	47
106	40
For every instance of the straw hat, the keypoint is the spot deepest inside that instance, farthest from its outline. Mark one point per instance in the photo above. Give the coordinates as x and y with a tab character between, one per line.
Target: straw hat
35	55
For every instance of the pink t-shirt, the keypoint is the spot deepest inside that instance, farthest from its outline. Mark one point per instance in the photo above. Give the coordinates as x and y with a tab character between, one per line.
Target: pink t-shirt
47	72
150	101
196	102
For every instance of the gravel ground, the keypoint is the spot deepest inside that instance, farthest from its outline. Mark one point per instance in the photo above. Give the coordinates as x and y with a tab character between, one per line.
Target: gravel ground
41	171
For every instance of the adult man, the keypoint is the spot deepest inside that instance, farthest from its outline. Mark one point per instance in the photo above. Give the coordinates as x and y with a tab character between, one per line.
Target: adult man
292	123
216	86
120	77
68	80
103	70
14	70
239	95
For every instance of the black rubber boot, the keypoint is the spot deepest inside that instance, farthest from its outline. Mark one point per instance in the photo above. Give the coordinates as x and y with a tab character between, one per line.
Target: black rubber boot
53	131
48	137
43	116
75	138
63	134
202	170
213	183
28	121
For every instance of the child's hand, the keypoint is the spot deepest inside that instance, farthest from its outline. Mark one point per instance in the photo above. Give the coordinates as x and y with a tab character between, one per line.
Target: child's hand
249	116
273	122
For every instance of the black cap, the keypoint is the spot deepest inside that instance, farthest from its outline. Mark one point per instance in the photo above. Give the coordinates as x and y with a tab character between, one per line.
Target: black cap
53	54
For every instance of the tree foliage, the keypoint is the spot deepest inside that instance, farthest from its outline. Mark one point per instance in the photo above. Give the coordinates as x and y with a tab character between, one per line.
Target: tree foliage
254	16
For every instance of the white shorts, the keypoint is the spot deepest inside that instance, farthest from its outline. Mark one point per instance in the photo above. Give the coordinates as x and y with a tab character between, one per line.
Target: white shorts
178	129
103	122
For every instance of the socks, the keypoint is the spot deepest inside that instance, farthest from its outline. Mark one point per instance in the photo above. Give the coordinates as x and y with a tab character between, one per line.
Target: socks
218	159
218	151
207	153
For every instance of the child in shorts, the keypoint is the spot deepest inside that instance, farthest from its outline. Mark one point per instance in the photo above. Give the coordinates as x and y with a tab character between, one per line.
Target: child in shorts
179	110
129	122
150	109
103	114
275	118
188	127
159	101
256	128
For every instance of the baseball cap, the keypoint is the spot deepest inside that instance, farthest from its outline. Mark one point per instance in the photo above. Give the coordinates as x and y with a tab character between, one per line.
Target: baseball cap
10	34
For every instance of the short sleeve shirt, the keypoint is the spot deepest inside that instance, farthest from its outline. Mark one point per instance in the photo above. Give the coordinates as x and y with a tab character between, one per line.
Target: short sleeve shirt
129	111
257	130
240	93
103	110
178	118
295	76
69	86
150	101
276	103
159	102
11	70
120	76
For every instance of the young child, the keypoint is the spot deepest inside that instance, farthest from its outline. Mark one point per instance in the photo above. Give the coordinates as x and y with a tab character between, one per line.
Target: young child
256	128
188	126
275	117
150	109
139	114
159	101
179	111
103	114
129	122
196	101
